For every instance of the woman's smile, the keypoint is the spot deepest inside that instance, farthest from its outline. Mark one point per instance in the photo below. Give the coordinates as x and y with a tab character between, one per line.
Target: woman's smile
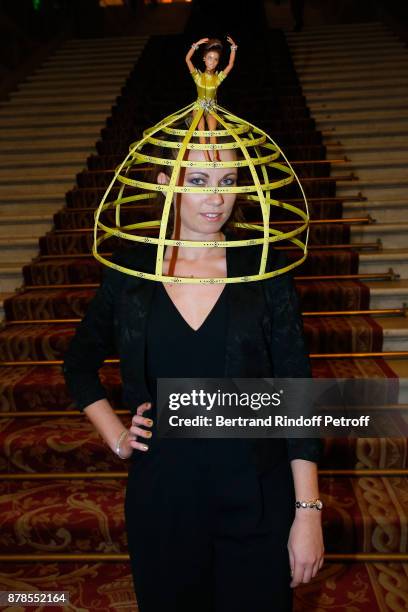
212	216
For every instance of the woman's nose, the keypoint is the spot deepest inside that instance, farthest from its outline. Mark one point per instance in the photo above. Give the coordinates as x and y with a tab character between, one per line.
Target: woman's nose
215	199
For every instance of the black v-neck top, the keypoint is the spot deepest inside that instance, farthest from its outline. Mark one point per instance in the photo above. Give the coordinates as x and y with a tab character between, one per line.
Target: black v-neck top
176	350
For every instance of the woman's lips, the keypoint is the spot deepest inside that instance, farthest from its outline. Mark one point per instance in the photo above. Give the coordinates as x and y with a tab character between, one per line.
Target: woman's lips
211	216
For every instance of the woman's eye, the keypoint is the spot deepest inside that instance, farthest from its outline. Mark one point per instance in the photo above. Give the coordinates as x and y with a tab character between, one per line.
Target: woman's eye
196	181
229	181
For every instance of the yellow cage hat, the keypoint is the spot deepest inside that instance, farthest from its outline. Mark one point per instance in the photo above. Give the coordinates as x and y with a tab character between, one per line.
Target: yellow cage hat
257	156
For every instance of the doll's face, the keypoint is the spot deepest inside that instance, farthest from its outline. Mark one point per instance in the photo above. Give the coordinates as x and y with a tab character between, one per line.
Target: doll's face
211	60
204	213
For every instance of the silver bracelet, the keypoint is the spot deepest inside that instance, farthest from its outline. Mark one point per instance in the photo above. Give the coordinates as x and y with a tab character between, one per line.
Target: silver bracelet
314	503
195	47
118	443
234	47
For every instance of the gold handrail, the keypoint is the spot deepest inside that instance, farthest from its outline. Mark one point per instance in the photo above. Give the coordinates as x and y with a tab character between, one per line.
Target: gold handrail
390	275
117	475
384	354
403	311
124	557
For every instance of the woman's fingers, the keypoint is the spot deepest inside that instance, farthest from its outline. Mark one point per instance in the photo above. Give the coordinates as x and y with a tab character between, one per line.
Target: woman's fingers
143	407
138	445
315	568
134	431
304	572
298	574
138	431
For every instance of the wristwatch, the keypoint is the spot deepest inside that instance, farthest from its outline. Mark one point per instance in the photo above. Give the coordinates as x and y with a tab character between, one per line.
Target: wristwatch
313	503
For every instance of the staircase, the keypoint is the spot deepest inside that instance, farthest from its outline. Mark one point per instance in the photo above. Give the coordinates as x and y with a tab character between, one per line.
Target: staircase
49	126
355	80
61	492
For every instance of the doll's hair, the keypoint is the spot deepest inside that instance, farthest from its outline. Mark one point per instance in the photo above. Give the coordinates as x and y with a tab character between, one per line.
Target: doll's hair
214	44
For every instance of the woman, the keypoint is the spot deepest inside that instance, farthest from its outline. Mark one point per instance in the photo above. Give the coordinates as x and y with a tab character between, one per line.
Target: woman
211	523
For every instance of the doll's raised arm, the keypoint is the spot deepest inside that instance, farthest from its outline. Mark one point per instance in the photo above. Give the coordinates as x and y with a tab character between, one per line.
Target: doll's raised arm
191	51
233	51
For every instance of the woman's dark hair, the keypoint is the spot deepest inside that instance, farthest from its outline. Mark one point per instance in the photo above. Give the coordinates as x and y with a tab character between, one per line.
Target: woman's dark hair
213	45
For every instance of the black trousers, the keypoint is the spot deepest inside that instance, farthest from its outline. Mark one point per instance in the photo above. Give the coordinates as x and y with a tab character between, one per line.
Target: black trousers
205	531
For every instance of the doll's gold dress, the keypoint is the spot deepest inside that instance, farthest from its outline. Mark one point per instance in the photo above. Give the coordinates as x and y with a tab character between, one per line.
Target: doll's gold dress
173	137
207	86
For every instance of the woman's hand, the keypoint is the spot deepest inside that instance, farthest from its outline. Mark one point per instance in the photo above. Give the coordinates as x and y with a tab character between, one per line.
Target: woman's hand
201	41
230	40
130	441
305	544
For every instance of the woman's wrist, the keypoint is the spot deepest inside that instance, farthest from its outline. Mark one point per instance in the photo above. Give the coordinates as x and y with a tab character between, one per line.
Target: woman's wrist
122	445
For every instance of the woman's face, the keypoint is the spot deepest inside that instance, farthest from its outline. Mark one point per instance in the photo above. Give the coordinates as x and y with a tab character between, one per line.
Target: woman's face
204	213
211	60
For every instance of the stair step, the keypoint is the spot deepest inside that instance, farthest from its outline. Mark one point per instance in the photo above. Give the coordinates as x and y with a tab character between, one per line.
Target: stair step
335	97
37	174
72	159
388	294
4	295
88	82
376	163
367	141
53	100
36	113
83	71
395	332
25	225
392	235
359	27
78	43
373	104
11	276
108	50
18	249
96	457
384	211
93	496
90	55
360	48
319	63
363	148
119	57
56	121
10	134
353	72
46	203
321	66
58	185
49	93
366	84
382	261
85	145
337	55
93	45
394	187
344	37
363	117
50	77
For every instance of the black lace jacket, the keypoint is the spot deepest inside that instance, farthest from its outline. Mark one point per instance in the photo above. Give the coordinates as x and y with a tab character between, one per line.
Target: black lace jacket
265	337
